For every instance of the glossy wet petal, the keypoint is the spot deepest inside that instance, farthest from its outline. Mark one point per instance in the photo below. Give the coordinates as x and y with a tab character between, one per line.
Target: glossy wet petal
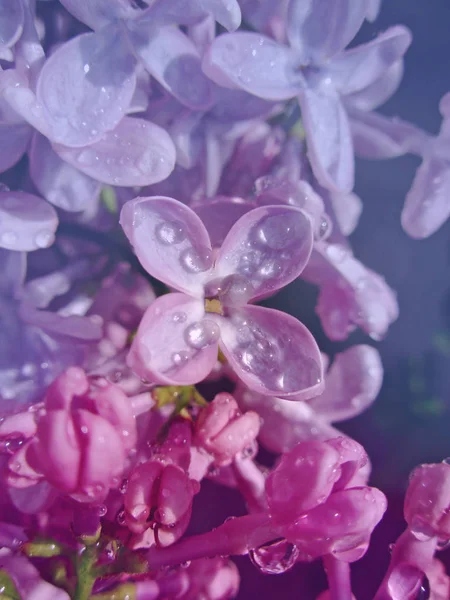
86	85
175	344
266	249
272	352
351	384
170	241
427	205
220	214
11	22
360	67
135	153
254	63
173	60
60	183
330	147
321	28
98	13
26	222
347	209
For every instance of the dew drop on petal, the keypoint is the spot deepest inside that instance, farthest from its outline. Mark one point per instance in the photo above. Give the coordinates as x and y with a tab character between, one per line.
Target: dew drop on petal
169	233
279	231
179	317
196	261
179	358
274	558
44	239
9	238
235	290
200	335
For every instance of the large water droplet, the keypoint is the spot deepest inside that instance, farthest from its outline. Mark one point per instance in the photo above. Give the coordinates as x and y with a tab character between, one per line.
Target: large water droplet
200	335
170	232
179	317
179	358
196	261
235	290
44	239
275	558
280	231
8	238
421	530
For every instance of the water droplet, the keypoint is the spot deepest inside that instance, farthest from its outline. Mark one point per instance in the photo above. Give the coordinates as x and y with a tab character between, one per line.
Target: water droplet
424	592
179	317
170	232
179	358
86	68
44	239
121	517
281	231
12	443
102	510
274	558
200	335
420	530
87	157
196	260
324	228
9	238
123	486
235	290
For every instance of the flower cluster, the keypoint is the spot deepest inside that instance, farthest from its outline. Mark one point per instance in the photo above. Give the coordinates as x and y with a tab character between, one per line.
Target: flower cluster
165	166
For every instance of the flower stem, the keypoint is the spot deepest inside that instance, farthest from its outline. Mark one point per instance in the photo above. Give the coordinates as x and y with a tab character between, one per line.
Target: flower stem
338	574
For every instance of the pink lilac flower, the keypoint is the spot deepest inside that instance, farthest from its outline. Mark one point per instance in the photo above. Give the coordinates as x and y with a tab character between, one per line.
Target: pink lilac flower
178	338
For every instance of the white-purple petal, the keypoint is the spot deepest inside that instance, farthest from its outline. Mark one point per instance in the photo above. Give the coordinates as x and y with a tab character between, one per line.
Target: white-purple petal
14	266
176	344
272	352
254	63
26	222
379	91
219	214
98	13
135	153
170	241
86	86
60	183
267	248
11	22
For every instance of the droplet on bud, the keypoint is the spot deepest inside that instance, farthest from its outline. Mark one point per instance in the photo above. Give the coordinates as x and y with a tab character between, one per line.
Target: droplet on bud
274	558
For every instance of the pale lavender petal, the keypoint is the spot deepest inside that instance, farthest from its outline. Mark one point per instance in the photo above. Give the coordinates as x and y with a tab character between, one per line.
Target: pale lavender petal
427	204
373	9
203	33
321	28
175	344
225	12
11	22
377	136
237	105
86	86
266	249
14	140
173	60
170	241
359	67
14	266
187	137
182	12
351	384
135	153
330	147
272	352
268	17
285	423
29	54
379	91
254	63
26	222
219	214
347	210
98	13
60	183
139	101
74	326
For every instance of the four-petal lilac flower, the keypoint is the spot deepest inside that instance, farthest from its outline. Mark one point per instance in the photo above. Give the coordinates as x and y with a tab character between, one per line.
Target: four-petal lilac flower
177	340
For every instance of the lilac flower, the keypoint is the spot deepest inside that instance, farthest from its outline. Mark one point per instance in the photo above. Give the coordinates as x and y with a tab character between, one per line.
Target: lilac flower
316	69
178	337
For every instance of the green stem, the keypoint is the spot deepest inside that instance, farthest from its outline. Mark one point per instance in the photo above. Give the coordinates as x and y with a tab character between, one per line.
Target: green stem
84	563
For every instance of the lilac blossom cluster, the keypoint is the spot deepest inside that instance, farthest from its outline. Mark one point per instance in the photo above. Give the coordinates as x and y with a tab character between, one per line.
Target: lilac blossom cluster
166	165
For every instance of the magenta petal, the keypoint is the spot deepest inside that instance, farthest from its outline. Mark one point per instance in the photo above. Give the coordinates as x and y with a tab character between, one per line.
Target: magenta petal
86	85
173	60
14	140
135	153
268	247
175	344
321	28
427	204
170	241
60	183
254	63
272	352
359	67
351	385
11	22
26	222
330	147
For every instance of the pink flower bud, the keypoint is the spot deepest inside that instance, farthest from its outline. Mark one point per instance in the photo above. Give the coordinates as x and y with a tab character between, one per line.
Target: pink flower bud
223	431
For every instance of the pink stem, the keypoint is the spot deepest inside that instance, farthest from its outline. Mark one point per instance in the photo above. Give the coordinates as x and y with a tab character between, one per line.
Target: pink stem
251	484
238	535
338	574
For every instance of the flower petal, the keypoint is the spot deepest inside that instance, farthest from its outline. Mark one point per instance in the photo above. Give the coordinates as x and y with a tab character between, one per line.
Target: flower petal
14	140
347	210
330	147
11	22
174	344
60	183
26	222
14	266
272	352
359	67
427	204
98	13
173	60
86	85
321	28
170	241
351	385
254	63
219	214
268	247
135	153
379	91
